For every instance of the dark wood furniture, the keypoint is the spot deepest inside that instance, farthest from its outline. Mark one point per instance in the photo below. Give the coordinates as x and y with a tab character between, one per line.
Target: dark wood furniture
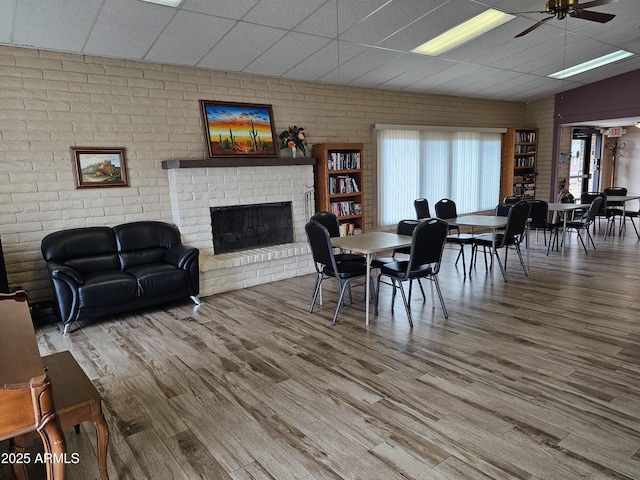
76	400
339	183
518	168
26	397
4	282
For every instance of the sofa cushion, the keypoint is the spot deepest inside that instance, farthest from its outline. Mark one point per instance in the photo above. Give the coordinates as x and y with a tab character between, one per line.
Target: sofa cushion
106	287
84	249
158	278
144	242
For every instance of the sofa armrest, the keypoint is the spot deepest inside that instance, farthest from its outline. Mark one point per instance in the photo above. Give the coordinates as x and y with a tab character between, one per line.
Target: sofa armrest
63	272
66	282
180	255
186	258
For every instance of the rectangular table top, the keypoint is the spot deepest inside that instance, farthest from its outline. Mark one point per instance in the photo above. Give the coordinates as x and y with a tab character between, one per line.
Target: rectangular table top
488	221
372	242
19	355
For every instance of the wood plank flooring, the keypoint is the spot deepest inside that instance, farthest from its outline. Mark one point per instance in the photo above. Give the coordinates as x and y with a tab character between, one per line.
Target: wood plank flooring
537	378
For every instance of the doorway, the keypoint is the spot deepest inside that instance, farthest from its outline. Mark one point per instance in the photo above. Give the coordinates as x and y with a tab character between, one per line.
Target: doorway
586	152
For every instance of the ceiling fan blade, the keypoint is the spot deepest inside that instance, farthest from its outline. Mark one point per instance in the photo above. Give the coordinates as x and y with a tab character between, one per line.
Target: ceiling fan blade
522	34
594	3
593	16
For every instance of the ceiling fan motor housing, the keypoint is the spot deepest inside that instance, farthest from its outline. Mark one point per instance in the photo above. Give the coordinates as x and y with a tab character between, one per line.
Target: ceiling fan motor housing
560	8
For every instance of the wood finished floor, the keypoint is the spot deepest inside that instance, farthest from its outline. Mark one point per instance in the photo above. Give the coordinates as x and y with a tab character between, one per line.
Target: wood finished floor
538	378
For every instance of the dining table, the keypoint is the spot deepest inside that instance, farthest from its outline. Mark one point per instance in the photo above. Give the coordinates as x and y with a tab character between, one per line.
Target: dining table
491	222
369	244
623	199
565	209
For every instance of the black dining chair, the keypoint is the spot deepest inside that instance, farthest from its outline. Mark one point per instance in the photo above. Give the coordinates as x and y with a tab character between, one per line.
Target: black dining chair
539	218
422	208
584	223
427	245
586	198
331	223
327	266
614	209
511	236
446	210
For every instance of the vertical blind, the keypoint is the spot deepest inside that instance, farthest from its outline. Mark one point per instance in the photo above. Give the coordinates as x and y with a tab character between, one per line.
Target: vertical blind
463	166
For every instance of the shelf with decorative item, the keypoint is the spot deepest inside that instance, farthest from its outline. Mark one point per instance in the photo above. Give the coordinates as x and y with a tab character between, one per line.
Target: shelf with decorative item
295	140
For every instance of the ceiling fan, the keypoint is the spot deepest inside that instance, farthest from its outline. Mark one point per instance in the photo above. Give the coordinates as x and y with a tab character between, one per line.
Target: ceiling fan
560	9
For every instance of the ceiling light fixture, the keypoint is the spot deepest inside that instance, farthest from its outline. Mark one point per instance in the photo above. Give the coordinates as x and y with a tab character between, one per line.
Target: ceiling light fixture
466	31
591	64
168	3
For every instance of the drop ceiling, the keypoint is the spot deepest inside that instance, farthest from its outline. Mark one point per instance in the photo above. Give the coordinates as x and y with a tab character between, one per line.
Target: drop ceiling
354	42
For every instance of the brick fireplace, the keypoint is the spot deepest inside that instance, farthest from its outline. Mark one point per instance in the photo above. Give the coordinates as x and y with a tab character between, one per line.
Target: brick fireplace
194	189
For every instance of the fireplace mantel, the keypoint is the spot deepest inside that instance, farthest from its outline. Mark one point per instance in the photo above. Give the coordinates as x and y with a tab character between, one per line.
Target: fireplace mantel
238	162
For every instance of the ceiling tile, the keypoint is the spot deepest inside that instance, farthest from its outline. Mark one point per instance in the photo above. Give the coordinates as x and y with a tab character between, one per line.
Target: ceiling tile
188	37
282	13
130	36
235	9
8	7
324	60
289	51
241	46
55	24
369	59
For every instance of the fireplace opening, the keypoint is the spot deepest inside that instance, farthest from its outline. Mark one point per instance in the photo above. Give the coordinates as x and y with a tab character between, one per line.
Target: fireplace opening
242	227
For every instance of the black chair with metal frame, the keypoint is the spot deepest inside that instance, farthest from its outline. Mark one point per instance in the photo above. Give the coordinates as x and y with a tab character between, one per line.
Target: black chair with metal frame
446	210
584	223
330	221
511	236
630	215
614	209
327	266
539	219
587	198
422	208
427	245
510	200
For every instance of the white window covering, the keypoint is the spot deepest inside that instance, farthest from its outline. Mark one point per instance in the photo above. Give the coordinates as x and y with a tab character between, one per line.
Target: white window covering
436	163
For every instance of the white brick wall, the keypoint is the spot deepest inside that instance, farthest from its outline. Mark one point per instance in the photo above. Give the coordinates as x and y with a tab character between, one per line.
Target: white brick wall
50	101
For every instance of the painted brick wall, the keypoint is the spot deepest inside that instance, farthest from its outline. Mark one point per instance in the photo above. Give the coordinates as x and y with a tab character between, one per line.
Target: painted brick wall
50	101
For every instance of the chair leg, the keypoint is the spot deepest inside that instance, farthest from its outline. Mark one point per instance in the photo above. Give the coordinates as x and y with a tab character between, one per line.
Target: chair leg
504	273
589	237
444	308
582	241
343	287
406	305
524	267
316	289
634	227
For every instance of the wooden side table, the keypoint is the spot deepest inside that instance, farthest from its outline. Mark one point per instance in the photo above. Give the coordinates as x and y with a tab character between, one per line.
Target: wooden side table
76	400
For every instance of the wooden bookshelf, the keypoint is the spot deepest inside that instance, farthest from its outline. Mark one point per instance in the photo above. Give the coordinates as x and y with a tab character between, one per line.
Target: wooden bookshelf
338	183
518	168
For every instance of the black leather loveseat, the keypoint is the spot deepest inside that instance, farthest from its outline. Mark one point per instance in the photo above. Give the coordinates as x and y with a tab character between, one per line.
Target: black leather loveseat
99	271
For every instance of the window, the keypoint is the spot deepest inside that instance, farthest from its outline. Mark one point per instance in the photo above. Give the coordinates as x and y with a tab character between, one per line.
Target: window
436	163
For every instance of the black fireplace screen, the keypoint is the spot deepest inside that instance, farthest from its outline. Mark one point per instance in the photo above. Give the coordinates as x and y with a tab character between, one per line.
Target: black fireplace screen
242	227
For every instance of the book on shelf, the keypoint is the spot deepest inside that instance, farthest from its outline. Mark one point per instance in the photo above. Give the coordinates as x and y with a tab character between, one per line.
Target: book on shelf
526	137
343	184
343	161
346	208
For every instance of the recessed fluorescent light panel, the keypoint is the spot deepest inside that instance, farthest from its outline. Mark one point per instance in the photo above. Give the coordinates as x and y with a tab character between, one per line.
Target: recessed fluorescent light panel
458	35
168	3
591	64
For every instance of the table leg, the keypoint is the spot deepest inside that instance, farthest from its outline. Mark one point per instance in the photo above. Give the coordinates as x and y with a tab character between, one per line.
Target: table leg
493	252
102	432
54	449
564	230
367	293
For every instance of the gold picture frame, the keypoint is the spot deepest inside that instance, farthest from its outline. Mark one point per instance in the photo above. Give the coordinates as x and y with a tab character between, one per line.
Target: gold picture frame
99	167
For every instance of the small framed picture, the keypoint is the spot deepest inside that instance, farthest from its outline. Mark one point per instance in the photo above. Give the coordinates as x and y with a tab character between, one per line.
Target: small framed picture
99	167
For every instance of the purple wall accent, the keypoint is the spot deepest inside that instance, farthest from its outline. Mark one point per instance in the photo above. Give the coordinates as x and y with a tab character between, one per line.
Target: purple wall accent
614	97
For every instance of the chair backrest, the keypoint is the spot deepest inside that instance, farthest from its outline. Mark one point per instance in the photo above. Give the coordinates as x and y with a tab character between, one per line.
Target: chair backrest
406	227
329	220
588	197
539	214
510	200
427	244
446	209
615	192
517	220
320	243
592	213
502	210
422	208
